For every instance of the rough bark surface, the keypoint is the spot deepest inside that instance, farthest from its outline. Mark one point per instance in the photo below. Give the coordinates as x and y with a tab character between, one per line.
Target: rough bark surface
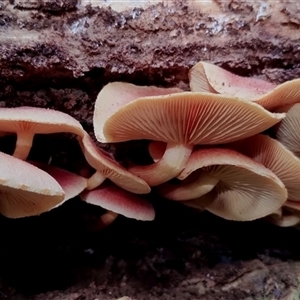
62	49
58	54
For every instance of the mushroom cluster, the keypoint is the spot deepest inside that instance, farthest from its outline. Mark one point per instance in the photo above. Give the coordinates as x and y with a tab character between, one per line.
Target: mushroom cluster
30	188
209	145
229	145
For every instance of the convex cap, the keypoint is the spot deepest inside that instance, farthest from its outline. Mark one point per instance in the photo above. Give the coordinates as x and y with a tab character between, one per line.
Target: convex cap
25	189
181	119
206	77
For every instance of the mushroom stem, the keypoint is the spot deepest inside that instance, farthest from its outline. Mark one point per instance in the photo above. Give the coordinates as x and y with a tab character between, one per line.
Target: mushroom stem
107	218
23	144
101	222
168	167
95	180
196	185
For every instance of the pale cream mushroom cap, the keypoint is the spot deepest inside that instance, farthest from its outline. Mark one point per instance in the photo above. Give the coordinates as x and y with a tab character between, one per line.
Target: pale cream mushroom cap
206	77
28	121
284	217
25	189
274	156
246	190
188	118
38	120
111	169
115	95
71	183
179	119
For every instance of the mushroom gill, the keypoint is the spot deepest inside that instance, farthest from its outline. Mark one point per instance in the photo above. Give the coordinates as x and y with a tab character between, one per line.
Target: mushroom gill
180	119
246	190
107	167
287	131
25	189
274	156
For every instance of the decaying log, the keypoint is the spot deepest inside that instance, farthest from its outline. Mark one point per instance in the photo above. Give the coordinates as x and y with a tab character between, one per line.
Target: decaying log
51	45
158	41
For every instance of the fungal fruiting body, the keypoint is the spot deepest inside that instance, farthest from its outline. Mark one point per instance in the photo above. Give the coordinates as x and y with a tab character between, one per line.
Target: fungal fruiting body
25	189
207	77
28	121
206	144
181	120
246	190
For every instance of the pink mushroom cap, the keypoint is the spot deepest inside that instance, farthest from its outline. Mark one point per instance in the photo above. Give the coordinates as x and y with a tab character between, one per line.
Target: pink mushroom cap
115	199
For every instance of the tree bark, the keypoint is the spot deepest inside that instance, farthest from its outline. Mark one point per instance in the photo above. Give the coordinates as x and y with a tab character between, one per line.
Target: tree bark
59	53
49	45
160	41
59	49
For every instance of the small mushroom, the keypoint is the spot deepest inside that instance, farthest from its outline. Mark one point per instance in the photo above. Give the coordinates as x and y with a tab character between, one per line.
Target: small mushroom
287	131
120	201
206	77
72	184
106	219
101	222
246	190
107	167
284	217
25	189
274	156
179	119
28	121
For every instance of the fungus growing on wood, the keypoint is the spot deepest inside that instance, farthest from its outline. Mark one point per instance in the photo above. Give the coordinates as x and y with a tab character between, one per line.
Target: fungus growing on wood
196	185
292	204
287	131
284	217
179	119
106	219
274	156
206	77
120	201
100	221
107	167
291	213
25	189
28	121
72	184
246	190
